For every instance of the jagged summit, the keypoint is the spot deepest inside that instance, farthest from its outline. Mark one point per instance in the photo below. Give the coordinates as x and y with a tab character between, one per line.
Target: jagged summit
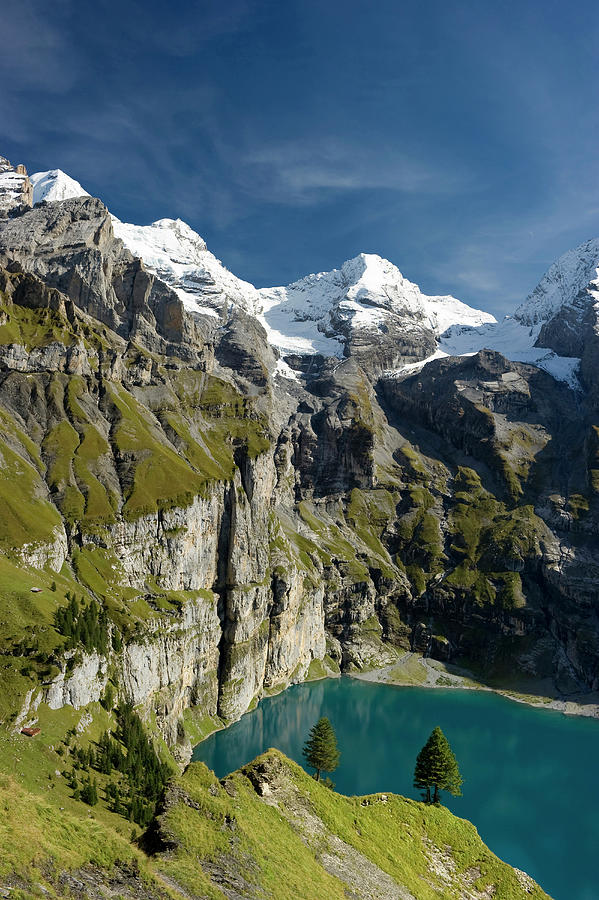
171	237
15	188
561	284
55	185
365	308
368	293
179	256
368	282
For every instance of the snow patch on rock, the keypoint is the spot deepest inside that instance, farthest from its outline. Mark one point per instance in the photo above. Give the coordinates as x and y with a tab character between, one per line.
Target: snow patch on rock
510	338
560	284
178	255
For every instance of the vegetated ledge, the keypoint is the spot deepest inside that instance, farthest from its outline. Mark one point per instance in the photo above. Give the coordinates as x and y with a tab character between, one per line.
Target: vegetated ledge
270	830
266	831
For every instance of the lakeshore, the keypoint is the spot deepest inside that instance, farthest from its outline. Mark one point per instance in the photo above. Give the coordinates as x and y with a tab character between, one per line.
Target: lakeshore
508	755
414	670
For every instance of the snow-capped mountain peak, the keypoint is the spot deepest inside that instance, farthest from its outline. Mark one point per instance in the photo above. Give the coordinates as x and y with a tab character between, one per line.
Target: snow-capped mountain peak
380	283
167	240
171	249
366	303
55	185
561	284
320	312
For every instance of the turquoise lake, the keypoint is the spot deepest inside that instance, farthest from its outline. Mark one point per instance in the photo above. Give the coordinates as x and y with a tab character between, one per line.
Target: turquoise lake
530	776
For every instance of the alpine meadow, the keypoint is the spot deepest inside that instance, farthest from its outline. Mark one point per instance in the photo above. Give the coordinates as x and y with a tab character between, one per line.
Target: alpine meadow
299	573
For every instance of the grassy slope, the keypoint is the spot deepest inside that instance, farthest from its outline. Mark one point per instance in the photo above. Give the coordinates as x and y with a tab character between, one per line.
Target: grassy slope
43	830
272	846
33	328
278	844
167	449
165	446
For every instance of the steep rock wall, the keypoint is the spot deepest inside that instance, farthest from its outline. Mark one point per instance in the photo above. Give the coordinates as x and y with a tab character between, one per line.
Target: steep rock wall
234	526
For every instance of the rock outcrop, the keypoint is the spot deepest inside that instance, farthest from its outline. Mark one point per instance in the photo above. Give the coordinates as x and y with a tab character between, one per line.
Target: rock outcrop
239	518
317	854
16	190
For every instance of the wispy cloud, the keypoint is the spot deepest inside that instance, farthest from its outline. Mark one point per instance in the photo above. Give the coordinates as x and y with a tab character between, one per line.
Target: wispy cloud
180	31
301	170
463	149
35	53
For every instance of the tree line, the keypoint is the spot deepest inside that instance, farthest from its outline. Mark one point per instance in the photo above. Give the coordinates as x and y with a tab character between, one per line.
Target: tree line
436	766
130	754
82	625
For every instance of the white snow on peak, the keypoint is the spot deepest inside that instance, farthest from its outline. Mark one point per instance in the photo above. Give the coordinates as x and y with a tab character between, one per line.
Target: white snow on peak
560	284
365	292
516	335
316	313
170	240
55	185
374	280
174	252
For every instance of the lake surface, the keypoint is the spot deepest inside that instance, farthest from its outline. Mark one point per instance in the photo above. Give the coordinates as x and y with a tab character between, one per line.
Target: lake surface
531	782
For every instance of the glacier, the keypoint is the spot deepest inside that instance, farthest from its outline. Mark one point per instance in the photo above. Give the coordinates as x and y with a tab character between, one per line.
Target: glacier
320	313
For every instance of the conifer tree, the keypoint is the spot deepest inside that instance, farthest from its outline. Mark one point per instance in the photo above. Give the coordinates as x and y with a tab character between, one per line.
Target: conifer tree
107	700
320	750
437	768
142	767
89	792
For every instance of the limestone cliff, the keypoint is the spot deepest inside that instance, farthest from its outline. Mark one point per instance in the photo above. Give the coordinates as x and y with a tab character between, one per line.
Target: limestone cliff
236	521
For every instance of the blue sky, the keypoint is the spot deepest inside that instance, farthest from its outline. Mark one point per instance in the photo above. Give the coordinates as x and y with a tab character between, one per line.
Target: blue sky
457	139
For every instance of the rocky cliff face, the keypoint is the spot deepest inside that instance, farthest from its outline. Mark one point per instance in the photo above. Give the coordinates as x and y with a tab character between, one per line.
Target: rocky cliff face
243	520
16	190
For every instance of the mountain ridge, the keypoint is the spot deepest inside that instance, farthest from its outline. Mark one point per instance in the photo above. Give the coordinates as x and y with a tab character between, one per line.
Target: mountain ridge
186	531
318	314
392	416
